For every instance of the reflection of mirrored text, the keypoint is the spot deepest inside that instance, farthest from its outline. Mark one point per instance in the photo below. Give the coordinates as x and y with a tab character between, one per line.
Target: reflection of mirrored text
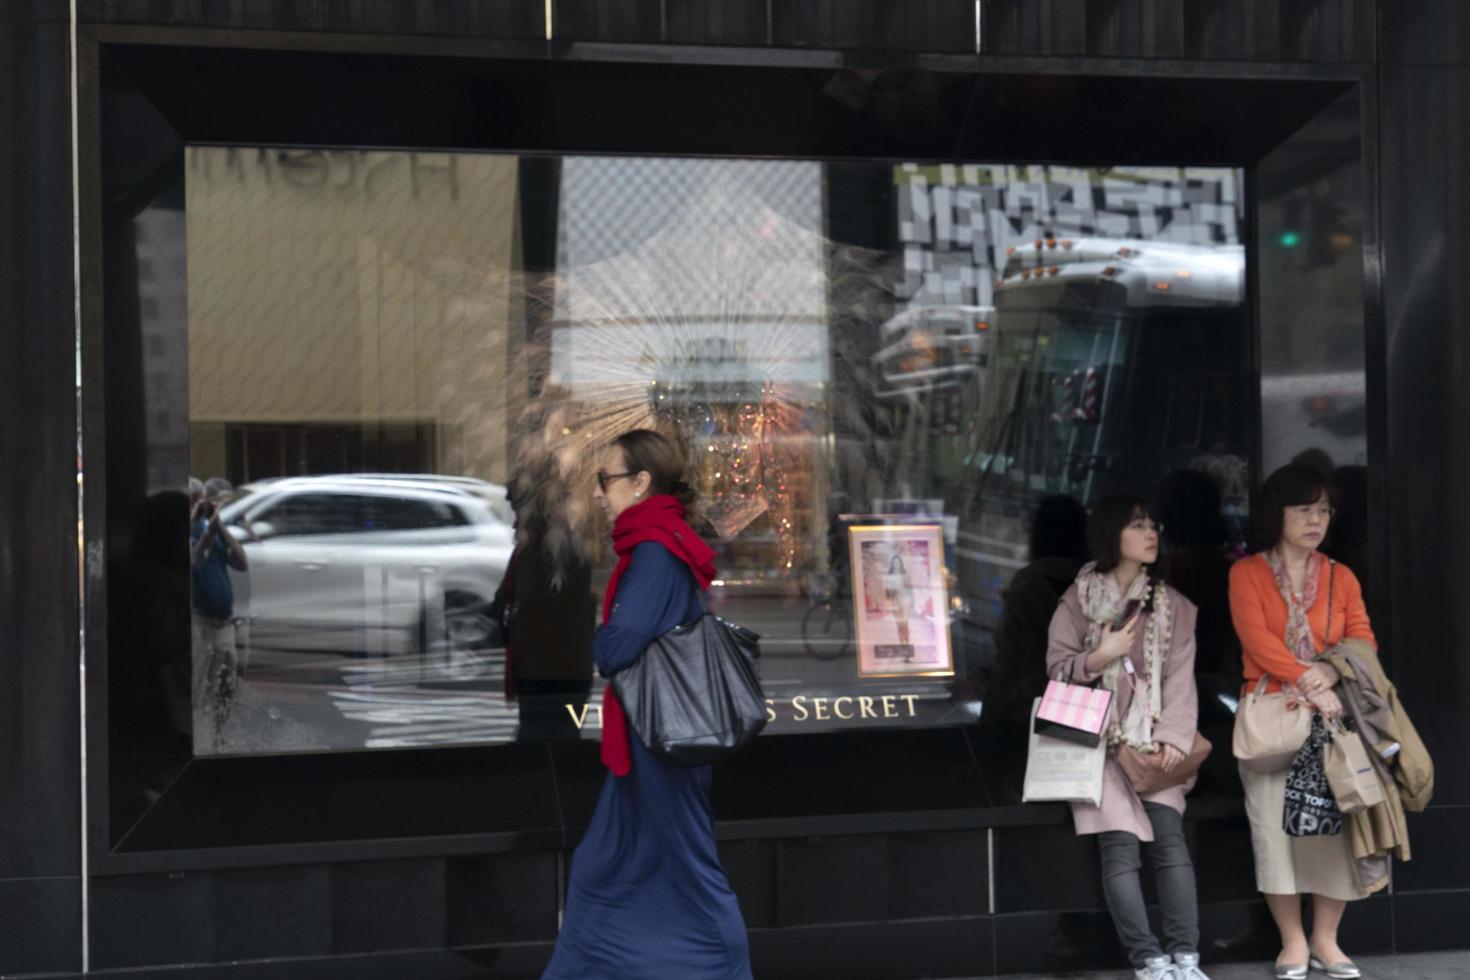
802	707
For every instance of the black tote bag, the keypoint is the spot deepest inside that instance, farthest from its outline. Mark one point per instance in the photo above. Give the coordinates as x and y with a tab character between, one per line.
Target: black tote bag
694	696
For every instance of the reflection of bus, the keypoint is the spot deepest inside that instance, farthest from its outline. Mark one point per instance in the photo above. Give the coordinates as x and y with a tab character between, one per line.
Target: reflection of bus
932	348
1111	363
931	365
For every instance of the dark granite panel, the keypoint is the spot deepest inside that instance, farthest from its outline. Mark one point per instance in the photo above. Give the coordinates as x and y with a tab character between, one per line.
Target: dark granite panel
751	867
938	874
914	25
511	897
269	912
1224	865
832	879
138	920
936	948
1431	920
1045	868
741	22
1328	30
629	21
1233	30
1425	207
1035	27
1056	942
1426	32
1368	926
1135	28
1440	858
38	531
42	925
383	905
472	18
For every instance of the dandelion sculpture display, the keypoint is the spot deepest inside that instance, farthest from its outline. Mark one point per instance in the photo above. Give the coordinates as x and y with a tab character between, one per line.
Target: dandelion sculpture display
721	327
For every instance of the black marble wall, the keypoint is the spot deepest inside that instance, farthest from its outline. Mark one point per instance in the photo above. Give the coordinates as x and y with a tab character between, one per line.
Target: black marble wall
40	845
1423	183
937	876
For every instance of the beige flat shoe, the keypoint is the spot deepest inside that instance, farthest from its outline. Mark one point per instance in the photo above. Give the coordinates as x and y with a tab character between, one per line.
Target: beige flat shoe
1346	970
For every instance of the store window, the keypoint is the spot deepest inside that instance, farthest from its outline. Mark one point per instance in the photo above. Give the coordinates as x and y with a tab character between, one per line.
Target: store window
400	364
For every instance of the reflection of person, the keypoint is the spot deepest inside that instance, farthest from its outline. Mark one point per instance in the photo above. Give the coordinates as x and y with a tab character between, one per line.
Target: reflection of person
546	596
647	896
1279	601
213	551
1058	550
1199	562
1148	664
898	592
1348	542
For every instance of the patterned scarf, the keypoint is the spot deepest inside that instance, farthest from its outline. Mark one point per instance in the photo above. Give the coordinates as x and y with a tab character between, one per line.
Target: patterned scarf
1298	633
1102	602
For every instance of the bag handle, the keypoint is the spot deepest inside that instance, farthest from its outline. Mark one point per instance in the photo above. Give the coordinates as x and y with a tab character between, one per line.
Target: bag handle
1331	583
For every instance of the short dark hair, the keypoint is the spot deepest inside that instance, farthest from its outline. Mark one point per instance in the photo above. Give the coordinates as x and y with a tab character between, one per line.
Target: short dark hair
1293	485
647	451
1110	516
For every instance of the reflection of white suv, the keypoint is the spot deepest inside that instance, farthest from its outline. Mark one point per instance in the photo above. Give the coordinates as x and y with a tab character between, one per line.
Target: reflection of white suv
370	563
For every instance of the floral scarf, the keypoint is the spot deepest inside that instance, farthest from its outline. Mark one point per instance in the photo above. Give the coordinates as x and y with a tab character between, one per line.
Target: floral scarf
1102	602
1298	634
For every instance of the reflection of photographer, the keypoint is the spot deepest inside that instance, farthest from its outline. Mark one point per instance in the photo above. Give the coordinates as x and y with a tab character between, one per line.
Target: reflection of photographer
213	551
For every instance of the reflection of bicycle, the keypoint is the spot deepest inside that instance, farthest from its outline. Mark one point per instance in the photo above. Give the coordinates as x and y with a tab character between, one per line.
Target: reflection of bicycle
826	627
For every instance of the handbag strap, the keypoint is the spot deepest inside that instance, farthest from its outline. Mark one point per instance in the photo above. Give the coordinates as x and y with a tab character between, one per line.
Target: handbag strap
1331	584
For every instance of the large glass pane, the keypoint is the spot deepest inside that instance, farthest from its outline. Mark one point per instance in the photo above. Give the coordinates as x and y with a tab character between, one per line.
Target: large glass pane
896	386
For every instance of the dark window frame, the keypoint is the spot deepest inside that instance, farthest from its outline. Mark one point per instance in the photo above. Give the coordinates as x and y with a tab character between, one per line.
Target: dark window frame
772	792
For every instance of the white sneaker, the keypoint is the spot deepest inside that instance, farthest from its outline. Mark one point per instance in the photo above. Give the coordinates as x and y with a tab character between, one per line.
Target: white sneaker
1157	968
1186	967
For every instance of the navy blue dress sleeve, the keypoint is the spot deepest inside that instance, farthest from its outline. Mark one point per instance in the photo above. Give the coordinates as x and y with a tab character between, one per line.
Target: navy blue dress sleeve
653	597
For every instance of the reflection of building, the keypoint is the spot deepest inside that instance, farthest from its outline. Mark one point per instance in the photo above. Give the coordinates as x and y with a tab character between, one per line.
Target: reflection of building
324	336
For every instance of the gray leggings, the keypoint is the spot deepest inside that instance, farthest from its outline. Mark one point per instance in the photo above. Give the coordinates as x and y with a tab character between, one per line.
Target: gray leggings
1174	876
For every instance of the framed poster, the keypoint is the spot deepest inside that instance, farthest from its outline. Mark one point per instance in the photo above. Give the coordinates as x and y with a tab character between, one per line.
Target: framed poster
900	608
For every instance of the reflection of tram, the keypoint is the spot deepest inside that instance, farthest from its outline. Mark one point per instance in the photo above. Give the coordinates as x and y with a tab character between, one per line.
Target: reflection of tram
932	364
932	348
1111	363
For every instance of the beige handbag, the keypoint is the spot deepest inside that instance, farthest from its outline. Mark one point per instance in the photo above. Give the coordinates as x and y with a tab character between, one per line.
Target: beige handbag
1268	731
1349	771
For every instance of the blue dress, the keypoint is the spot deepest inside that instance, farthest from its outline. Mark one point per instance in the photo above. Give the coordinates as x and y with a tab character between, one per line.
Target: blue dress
647	897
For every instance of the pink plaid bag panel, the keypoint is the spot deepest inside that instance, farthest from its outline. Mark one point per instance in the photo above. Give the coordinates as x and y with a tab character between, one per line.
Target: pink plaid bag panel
1083	708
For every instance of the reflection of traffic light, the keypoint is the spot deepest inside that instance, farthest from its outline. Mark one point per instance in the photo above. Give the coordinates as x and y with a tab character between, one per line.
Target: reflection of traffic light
1290	239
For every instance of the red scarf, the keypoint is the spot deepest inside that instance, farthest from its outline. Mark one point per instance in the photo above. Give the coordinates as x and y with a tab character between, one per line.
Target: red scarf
659	518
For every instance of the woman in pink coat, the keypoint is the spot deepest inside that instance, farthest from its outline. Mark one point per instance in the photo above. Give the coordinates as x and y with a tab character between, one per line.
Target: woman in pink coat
1147	661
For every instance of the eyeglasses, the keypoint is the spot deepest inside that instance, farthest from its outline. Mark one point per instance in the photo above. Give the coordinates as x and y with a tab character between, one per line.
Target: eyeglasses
604	477
1144	524
1314	510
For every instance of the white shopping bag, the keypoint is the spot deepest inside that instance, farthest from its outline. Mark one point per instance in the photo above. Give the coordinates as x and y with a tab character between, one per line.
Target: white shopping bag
1057	770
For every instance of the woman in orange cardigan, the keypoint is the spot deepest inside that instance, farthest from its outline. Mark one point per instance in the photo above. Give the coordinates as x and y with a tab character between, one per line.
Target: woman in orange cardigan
1279	602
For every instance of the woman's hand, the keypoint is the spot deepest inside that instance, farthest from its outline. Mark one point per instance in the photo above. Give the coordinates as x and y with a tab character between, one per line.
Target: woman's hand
1326	702
1318	678
1170	758
1116	643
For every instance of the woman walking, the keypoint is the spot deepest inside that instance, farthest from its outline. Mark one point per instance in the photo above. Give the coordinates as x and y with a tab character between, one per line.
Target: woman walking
1290	604
647	896
1120	625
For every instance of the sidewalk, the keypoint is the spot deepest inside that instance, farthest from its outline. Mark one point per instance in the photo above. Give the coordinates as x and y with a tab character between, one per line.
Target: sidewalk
1413	966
